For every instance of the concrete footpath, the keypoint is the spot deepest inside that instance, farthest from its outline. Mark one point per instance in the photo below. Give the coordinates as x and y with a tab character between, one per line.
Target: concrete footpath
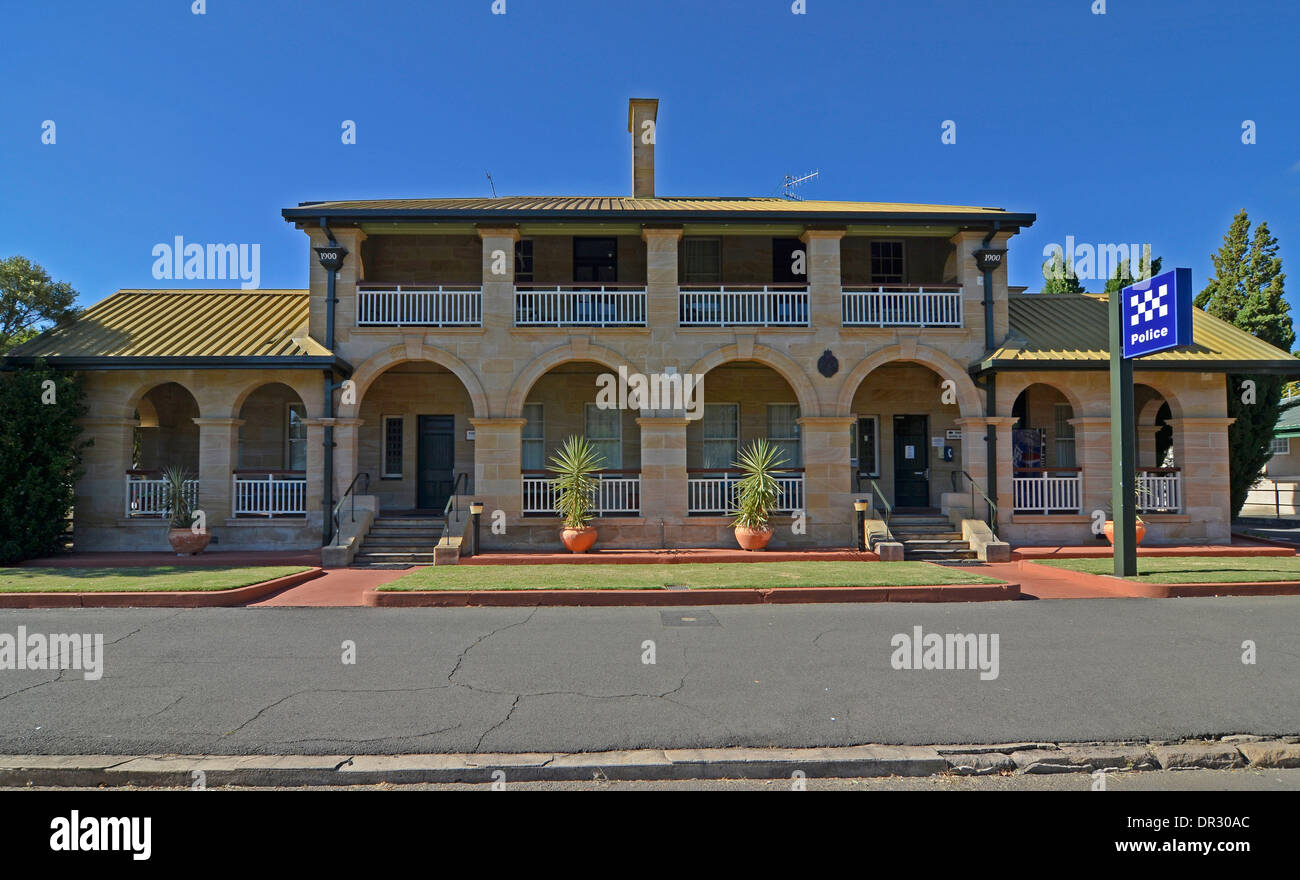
1004	759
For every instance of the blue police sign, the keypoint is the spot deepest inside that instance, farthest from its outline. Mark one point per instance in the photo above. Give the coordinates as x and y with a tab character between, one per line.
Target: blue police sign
1157	314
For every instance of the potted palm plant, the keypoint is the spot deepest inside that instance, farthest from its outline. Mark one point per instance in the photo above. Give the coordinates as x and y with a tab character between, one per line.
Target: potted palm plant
185	540
575	492
757	493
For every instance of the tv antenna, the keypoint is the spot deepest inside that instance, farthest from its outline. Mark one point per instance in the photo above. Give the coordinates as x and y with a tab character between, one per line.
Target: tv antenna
792	183
491	184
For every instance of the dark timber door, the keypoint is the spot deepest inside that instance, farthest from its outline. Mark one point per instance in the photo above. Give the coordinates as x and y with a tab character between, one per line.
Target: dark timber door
911	461
437	459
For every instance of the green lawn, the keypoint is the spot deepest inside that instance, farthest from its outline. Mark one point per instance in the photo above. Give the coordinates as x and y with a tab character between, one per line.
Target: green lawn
135	580
725	575
1194	569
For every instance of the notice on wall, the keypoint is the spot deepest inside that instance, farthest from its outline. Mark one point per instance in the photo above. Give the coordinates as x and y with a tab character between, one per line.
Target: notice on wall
936	442
954	433
909	452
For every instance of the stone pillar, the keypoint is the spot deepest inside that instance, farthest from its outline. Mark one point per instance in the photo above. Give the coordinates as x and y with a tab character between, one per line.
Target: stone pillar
822	250
1146	445
347	446
974	458
497	479
1201	454
218	453
101	491
498	276
663	470
345	283
661	281
965	244
1092	453
315	470
827	479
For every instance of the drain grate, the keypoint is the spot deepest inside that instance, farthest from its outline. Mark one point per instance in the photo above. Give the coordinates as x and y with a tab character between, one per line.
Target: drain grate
688	618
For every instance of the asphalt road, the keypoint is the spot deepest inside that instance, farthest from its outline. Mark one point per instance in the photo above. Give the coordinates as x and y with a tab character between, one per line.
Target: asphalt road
271	680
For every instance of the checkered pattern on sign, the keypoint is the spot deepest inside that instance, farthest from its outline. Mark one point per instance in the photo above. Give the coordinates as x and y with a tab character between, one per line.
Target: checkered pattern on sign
1147	305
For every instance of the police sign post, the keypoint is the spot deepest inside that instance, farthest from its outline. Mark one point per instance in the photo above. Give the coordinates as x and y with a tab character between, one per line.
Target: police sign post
1149	316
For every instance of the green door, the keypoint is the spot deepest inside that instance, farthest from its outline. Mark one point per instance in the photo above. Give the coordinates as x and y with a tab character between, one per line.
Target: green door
436	461
911	462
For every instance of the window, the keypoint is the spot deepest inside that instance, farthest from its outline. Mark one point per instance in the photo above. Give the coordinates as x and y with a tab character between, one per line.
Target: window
886	262
865	457
721	426
605	431
702	260
786	253
524	260
1061	414
1280	446
295	438
532	450
595	260
393	447
783	431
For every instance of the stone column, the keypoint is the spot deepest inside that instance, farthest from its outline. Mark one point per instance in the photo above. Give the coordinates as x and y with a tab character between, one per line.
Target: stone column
347	446
345	282
498	276
965	244
1092	453
1146	445
101	491
1201	454
663	469
315	470
661	282
218	454
497	479
827	479
822	249
974	459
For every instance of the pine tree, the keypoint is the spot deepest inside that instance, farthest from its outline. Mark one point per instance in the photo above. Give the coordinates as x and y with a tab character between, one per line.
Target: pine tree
1060	278
1246	291
1123	277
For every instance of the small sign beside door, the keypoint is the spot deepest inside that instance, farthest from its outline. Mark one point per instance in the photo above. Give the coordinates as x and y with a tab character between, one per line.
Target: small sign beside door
469	435
936	442
954	433
909	452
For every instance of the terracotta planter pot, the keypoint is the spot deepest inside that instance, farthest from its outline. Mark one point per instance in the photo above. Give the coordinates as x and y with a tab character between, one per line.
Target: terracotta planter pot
753	539
186	543
578	540
1109	529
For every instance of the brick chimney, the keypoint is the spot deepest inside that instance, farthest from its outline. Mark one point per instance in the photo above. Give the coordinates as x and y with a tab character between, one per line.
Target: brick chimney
641	113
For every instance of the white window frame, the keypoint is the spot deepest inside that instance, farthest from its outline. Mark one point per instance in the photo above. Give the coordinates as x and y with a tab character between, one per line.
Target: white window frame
874	472
871	261
705	439
617	464
540	439
288	435
1284	449
386	472
797	439
687	276
1058	439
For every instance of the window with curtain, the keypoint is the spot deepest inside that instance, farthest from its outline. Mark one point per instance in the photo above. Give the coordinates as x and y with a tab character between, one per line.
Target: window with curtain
783	431
393	446
721	429
1062	413
532	446
886	262
702	260
605	431
295	436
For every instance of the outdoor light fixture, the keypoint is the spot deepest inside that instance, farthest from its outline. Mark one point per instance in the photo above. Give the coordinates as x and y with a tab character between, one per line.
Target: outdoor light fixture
475	517
861	505
475	508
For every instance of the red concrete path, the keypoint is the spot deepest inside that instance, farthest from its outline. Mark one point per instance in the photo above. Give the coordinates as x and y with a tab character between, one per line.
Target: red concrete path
645	557
339	587
1047	582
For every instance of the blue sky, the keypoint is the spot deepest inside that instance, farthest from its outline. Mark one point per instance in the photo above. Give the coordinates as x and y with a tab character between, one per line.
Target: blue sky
1122	127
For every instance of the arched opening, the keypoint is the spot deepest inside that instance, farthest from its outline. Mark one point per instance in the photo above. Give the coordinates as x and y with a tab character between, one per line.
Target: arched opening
566	401
271	466
905	440
165	437
1159	475
415	439
1046	477
742	401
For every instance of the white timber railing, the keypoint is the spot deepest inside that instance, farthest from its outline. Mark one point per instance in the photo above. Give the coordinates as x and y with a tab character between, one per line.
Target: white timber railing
448	305
1047	491
1160	490
146	495
617	494
572	305
270	494
715	493
771	305
899	306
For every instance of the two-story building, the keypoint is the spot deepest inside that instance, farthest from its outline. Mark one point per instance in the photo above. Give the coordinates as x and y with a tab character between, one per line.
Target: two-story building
447	347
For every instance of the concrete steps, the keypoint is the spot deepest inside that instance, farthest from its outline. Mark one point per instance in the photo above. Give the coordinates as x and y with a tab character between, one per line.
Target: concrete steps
930	539
400	539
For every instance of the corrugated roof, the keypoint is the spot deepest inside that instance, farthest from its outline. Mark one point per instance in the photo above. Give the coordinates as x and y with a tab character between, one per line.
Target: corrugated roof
1073	328
185	323
661	209
1288	423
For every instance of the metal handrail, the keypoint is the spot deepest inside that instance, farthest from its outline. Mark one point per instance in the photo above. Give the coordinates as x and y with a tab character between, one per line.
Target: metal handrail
451	499
351	491
889	510
993	507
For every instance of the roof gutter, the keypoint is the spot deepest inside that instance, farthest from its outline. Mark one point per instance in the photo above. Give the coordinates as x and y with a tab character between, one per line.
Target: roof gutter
181	362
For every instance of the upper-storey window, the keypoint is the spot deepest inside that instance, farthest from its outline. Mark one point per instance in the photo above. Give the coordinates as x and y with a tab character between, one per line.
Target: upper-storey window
595	260
524	260
789	261
701	260
886	262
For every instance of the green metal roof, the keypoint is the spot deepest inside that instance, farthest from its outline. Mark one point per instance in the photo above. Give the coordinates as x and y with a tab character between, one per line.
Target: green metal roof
1288	422
1070	331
